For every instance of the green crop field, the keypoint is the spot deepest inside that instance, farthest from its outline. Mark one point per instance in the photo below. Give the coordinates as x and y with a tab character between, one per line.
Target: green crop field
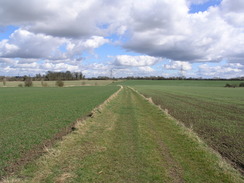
190	83
214	112
29	116
128	140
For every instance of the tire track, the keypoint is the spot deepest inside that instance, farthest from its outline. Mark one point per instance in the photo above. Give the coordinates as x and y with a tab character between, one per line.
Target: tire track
174	170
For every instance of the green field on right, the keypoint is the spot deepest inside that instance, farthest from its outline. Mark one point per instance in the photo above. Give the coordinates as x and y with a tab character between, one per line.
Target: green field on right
211	110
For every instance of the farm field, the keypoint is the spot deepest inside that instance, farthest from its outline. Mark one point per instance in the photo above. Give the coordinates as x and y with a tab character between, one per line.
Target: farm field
190	83
215	113
128	140
29	116
66	83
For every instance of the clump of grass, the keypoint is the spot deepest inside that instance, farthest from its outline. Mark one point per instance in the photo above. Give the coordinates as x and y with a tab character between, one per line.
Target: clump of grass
83	83
20	85
4	81
44	84
59	83
28	82
241	84
230	85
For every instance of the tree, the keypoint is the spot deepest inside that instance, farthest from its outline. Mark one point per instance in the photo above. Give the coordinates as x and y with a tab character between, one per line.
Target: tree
241	85
59	83
28	82
4	81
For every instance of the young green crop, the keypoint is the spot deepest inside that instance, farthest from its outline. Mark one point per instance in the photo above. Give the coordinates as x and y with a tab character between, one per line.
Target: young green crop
189	83
214	113
28	116
129	140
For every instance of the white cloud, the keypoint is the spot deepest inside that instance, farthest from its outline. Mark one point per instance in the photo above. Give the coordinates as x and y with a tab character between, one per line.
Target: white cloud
228	70
178	65
98	69
146	69
24	44
175	34
60	31
135	61
235	6
168	31
77	47
32	66
197	1
64	18
95	42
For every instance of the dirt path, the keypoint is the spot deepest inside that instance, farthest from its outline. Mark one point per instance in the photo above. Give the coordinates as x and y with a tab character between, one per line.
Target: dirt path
128	140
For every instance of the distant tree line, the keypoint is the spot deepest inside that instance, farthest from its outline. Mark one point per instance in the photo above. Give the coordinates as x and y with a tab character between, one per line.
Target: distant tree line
160	78
176	78
54	76
49	76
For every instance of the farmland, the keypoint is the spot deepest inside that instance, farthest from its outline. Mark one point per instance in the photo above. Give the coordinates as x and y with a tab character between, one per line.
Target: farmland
185	83
128	140
215	113
68	83
29	116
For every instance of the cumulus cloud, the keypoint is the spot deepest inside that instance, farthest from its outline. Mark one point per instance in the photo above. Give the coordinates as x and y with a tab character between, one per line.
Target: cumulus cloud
136	61
77	47
33	66
178	65
25	44
64	18
197	1
228	70
146	69
175	34
233	12
60	31
110	70
169	31
24	12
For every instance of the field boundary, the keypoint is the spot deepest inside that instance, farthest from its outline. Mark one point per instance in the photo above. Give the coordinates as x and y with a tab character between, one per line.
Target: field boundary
223	163
42	148
101	106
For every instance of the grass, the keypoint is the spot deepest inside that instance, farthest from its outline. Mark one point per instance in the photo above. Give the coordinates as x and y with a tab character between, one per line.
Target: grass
214	113
186	83
129	140
29	116
66	83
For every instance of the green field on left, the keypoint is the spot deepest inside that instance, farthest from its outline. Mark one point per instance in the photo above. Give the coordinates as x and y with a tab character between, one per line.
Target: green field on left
29	116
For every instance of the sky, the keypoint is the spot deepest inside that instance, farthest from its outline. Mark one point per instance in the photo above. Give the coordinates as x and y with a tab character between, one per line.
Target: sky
193	38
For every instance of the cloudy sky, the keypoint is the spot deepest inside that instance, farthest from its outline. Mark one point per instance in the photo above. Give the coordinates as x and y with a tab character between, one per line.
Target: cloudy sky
201	38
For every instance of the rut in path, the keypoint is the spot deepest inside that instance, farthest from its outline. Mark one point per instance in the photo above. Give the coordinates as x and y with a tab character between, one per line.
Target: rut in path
128	140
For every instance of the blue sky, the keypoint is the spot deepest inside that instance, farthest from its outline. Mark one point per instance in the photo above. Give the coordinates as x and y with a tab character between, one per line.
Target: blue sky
6	31
204	38
201	7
